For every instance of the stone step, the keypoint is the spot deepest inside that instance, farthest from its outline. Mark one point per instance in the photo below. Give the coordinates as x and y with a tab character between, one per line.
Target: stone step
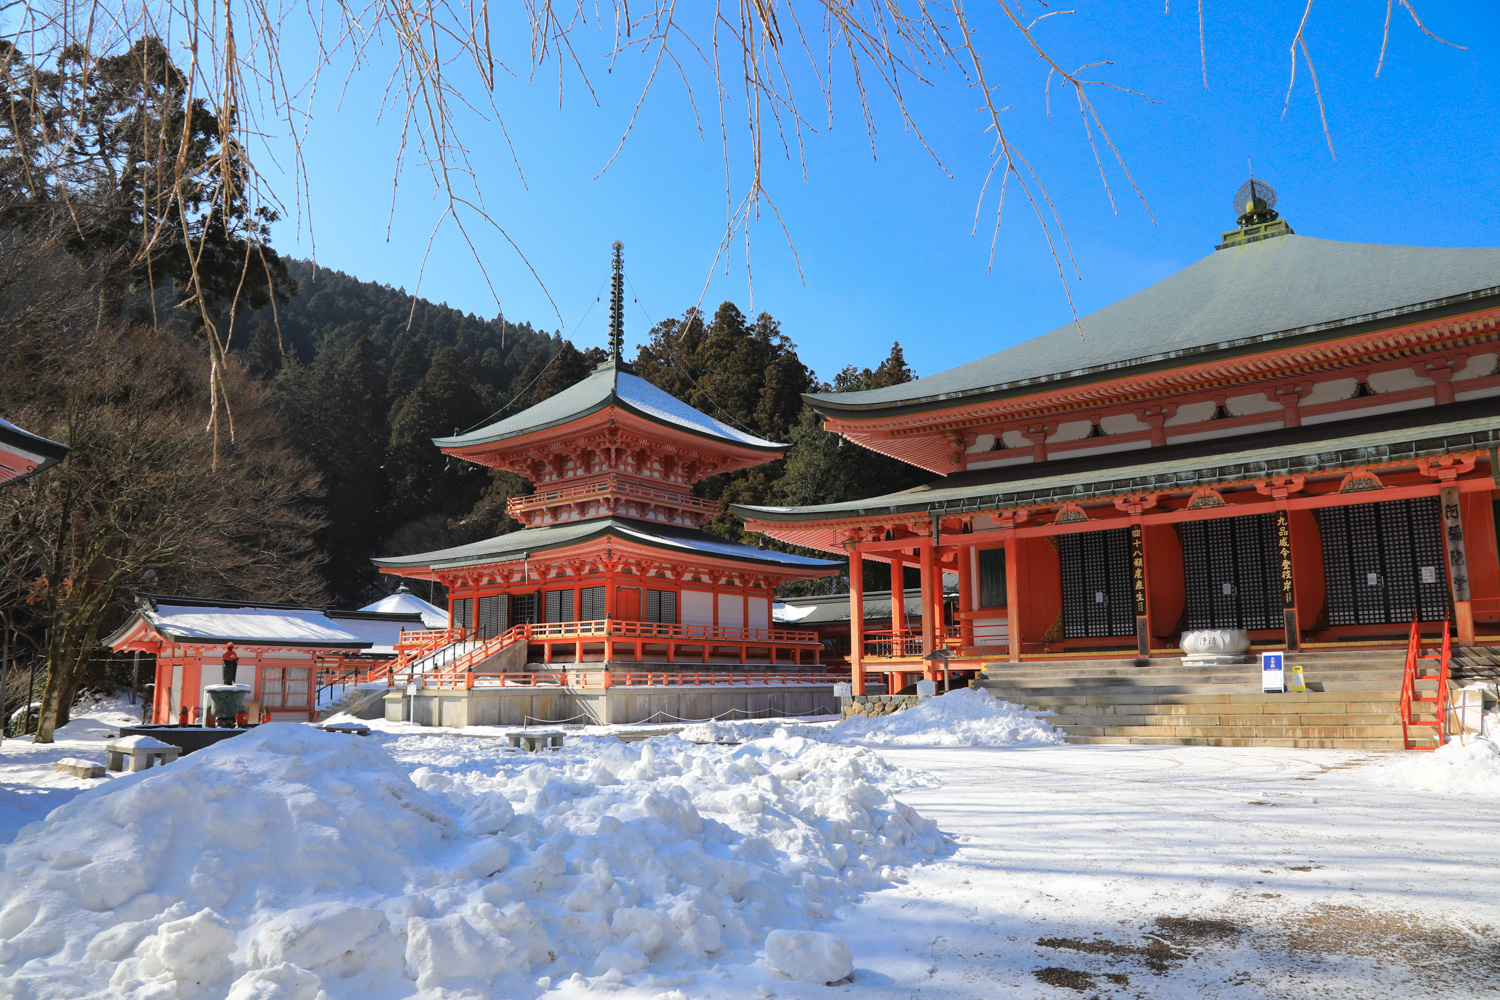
1244	732
1074	697
1383	707
1191	721
1335	743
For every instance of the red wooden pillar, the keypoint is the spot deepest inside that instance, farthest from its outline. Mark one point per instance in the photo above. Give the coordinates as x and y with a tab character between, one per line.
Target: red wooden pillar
1013	595
857	619
898	601
964	561
928	553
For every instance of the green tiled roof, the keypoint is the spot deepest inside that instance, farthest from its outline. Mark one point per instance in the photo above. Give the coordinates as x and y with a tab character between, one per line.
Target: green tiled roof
530	541
1233	299
609	386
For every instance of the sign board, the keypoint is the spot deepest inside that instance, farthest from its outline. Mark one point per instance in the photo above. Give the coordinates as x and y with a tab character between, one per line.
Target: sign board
1273	672
411	690
926	689
843	689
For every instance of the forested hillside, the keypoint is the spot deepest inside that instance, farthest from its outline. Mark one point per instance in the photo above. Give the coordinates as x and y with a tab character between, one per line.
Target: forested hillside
364	378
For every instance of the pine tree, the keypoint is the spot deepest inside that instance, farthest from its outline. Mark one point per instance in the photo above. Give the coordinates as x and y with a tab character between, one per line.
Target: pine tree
443	402
408	370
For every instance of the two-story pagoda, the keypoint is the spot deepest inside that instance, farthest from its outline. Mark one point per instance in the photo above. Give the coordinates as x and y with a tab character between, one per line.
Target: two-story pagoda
1292	436
613	564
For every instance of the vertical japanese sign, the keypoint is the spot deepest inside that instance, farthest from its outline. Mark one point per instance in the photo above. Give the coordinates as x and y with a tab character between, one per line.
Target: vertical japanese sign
1138	570
1284	558
1453	542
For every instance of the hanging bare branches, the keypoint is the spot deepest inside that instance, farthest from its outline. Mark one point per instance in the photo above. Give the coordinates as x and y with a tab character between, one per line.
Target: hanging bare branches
224	79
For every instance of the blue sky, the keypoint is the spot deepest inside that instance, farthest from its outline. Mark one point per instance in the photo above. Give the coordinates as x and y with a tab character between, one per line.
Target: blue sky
885	243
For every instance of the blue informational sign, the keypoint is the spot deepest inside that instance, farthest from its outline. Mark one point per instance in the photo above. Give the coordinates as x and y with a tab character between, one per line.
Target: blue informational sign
1272	672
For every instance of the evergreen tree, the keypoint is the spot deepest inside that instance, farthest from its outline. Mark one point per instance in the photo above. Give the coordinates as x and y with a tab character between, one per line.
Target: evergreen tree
335	412
425	480
408	370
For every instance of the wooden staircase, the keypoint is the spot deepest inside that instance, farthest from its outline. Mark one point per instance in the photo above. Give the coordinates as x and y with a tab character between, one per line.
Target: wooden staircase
1353	702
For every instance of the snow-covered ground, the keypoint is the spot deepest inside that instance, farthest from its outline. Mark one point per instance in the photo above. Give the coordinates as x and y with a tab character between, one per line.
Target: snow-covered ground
295	865
960	718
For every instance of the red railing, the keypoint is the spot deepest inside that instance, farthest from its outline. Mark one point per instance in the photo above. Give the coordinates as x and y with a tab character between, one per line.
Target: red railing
1413	674
907	643
449	677
572	493
607	628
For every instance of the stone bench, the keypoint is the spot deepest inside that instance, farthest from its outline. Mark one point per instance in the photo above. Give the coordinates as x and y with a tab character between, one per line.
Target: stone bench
143	751
538	739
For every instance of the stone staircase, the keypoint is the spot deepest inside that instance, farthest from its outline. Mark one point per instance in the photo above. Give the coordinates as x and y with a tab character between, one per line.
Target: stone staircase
1352	701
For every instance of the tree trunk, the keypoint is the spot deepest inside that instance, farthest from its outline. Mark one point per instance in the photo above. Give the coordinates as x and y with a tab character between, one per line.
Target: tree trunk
110	322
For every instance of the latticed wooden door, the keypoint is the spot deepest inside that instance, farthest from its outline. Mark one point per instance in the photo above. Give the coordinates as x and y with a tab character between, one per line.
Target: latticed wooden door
1231	577
1384	561
1096	584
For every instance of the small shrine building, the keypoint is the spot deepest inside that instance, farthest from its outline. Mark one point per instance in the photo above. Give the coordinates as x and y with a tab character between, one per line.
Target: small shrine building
612	564
1293	436
286	652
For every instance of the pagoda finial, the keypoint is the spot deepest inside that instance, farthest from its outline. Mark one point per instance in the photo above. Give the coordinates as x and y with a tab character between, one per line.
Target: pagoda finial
617	305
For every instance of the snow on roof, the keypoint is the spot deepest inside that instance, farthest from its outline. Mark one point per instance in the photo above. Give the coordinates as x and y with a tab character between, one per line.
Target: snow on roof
252	625
382	633
518	544
405	602
607	386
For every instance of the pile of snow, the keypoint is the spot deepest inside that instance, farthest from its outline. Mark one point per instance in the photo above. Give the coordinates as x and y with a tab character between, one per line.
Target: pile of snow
809	956
965	717
1468	768
289	861
733	732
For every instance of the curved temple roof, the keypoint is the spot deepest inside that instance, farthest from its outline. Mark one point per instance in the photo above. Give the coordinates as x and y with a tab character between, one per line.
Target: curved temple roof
609	385
28	453
529	541
211	622
1254	293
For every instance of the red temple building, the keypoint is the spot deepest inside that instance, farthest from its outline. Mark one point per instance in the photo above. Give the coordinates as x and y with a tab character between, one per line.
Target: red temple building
613	564
1293	436
23	453
289	655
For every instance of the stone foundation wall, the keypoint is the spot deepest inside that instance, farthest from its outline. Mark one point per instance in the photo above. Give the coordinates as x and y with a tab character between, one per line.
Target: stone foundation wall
876	704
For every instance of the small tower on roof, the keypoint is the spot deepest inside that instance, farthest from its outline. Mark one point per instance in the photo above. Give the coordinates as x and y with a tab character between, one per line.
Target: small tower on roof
1255	202
617	309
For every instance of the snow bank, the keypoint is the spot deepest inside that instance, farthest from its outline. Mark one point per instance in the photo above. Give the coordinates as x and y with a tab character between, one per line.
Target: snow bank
809	956
964	717
1471	768
288	861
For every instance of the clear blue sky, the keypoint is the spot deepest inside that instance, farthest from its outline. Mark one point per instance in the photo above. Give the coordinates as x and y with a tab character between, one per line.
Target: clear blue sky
884	243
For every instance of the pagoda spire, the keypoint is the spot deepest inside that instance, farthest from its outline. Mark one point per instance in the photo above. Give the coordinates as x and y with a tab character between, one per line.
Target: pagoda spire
617	305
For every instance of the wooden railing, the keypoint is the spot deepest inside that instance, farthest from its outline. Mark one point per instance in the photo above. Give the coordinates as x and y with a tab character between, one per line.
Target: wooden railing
455	679
1413	674
415	646
907	643
571	494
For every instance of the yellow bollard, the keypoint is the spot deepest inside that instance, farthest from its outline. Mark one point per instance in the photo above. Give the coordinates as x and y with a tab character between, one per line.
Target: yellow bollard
1297	684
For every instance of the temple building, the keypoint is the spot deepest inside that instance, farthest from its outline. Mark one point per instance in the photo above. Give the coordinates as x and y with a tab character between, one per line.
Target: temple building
23	453
1293	436
613	564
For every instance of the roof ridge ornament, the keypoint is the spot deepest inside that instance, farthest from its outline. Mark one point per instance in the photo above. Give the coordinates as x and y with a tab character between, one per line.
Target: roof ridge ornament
1255	203
616	313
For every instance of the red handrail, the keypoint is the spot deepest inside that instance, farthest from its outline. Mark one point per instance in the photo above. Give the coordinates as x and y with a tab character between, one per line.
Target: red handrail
1409	696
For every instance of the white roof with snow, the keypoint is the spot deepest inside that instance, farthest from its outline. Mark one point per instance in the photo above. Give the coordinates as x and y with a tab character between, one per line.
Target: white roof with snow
405	602
208	622
608	386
